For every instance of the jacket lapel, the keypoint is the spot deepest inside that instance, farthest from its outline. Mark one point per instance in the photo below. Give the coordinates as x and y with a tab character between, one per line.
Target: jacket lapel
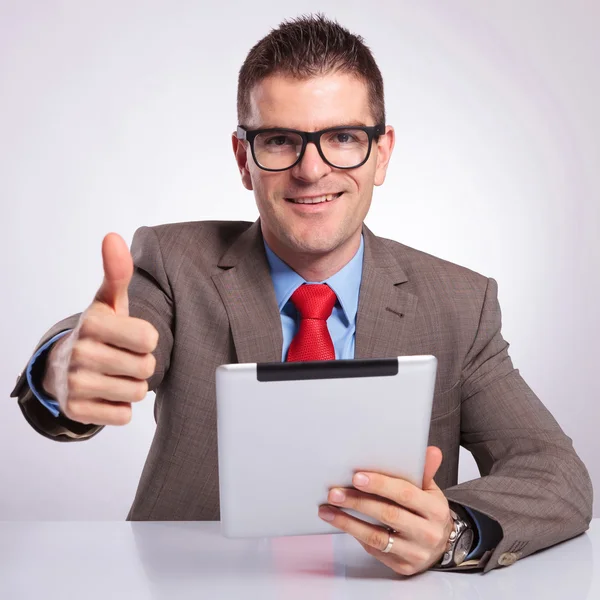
245	286
386	312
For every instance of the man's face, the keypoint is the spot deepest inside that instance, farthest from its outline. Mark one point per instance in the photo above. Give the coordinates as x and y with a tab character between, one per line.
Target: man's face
310	105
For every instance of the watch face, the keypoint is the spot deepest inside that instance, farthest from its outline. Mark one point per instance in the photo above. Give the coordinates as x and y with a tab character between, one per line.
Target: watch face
463	546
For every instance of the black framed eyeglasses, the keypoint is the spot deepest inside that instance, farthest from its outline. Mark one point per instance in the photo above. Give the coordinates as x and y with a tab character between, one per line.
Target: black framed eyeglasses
279	149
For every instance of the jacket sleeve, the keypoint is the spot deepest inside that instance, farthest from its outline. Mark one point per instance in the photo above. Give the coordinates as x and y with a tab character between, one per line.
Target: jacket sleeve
532	482
150	298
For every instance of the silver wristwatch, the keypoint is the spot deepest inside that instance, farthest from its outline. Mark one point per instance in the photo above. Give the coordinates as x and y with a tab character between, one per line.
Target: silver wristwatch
460	543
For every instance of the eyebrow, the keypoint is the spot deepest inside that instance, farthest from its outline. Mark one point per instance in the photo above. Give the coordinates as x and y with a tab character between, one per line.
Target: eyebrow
353	123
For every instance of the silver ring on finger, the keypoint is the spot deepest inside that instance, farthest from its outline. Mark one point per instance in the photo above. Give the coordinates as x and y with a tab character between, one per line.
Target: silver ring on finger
390	543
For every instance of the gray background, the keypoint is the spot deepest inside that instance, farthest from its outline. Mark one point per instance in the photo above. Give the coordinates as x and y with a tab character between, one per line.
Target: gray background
117	114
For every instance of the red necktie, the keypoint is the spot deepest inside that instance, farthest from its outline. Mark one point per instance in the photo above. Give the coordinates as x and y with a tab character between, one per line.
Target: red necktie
312	341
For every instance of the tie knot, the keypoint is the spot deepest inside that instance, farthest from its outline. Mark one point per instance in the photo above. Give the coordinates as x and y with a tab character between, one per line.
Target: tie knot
314	301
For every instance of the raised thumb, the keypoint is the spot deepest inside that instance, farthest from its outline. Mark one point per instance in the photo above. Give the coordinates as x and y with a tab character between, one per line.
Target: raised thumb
118	270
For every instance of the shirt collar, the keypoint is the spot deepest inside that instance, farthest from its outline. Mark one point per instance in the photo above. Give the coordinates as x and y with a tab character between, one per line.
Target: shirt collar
345	283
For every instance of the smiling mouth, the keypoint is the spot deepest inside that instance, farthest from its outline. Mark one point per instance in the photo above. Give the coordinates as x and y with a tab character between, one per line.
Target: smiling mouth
314	200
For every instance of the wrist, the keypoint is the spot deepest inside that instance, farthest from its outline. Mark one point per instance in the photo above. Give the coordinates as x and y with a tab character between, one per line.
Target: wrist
50	367
465	515
460	539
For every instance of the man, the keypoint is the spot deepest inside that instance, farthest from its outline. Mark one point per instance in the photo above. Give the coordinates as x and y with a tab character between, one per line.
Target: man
311	143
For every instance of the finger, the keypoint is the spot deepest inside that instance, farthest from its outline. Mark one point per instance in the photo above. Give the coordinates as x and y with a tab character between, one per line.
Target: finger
88	384
92	355
118	271
393	561
95	411
433	461
411	526
374	536
127	333
398	491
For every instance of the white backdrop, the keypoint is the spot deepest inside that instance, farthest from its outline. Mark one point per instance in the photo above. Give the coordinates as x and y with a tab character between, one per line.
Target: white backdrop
118	113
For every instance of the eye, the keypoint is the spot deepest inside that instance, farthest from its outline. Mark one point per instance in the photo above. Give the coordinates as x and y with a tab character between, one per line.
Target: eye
279	140
342	138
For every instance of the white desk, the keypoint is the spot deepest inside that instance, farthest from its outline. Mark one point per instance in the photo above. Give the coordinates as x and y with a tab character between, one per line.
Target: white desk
156	560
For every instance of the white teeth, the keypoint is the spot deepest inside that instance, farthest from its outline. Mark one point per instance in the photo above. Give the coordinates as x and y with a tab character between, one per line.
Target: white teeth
317	200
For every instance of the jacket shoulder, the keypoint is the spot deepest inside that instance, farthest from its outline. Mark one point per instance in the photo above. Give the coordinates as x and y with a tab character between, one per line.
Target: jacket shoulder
191	248
218	234
426	269
205	239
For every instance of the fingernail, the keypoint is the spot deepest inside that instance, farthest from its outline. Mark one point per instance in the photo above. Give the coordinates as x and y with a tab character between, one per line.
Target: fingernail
360	479
337	495
326	514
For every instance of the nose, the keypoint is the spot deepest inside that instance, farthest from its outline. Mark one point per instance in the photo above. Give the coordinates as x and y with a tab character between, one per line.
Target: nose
312	167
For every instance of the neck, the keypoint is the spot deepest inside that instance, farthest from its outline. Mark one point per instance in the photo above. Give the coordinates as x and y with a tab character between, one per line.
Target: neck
316	267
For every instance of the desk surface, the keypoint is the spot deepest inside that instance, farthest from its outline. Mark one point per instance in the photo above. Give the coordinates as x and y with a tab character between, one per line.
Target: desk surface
110	560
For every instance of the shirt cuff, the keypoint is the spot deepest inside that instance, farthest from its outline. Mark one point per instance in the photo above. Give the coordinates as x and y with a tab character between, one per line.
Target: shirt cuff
34	384
489	533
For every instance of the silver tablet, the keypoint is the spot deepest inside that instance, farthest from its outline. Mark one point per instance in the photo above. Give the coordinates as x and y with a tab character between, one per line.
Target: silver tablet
288	432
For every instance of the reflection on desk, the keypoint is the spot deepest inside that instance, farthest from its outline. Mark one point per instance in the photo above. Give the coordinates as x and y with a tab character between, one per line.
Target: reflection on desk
192	560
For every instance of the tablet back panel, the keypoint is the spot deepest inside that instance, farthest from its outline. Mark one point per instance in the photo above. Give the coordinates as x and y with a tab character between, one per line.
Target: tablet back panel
288	432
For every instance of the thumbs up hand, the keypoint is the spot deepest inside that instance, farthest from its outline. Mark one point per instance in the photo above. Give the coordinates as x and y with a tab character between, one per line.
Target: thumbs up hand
102	366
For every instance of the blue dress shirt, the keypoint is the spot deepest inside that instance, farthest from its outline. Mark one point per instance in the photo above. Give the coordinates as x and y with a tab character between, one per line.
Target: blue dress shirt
36	386
342	328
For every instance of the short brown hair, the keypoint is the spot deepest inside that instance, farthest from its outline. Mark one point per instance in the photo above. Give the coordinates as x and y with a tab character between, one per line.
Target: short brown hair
306	47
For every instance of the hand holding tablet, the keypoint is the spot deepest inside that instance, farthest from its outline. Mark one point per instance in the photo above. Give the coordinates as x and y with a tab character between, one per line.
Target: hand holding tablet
416	523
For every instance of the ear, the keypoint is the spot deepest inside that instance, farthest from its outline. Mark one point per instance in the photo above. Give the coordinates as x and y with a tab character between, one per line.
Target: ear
240	150
385	146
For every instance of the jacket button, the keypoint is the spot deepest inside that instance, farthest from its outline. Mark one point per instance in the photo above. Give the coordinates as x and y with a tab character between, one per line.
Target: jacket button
507	559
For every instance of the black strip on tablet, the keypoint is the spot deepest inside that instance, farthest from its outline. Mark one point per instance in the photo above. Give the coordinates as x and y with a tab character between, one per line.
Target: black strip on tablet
327	369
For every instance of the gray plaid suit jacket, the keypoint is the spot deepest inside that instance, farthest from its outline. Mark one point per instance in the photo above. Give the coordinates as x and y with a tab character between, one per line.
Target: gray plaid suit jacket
207	289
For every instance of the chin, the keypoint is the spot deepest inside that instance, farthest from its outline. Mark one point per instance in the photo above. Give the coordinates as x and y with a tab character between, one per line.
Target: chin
314	242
